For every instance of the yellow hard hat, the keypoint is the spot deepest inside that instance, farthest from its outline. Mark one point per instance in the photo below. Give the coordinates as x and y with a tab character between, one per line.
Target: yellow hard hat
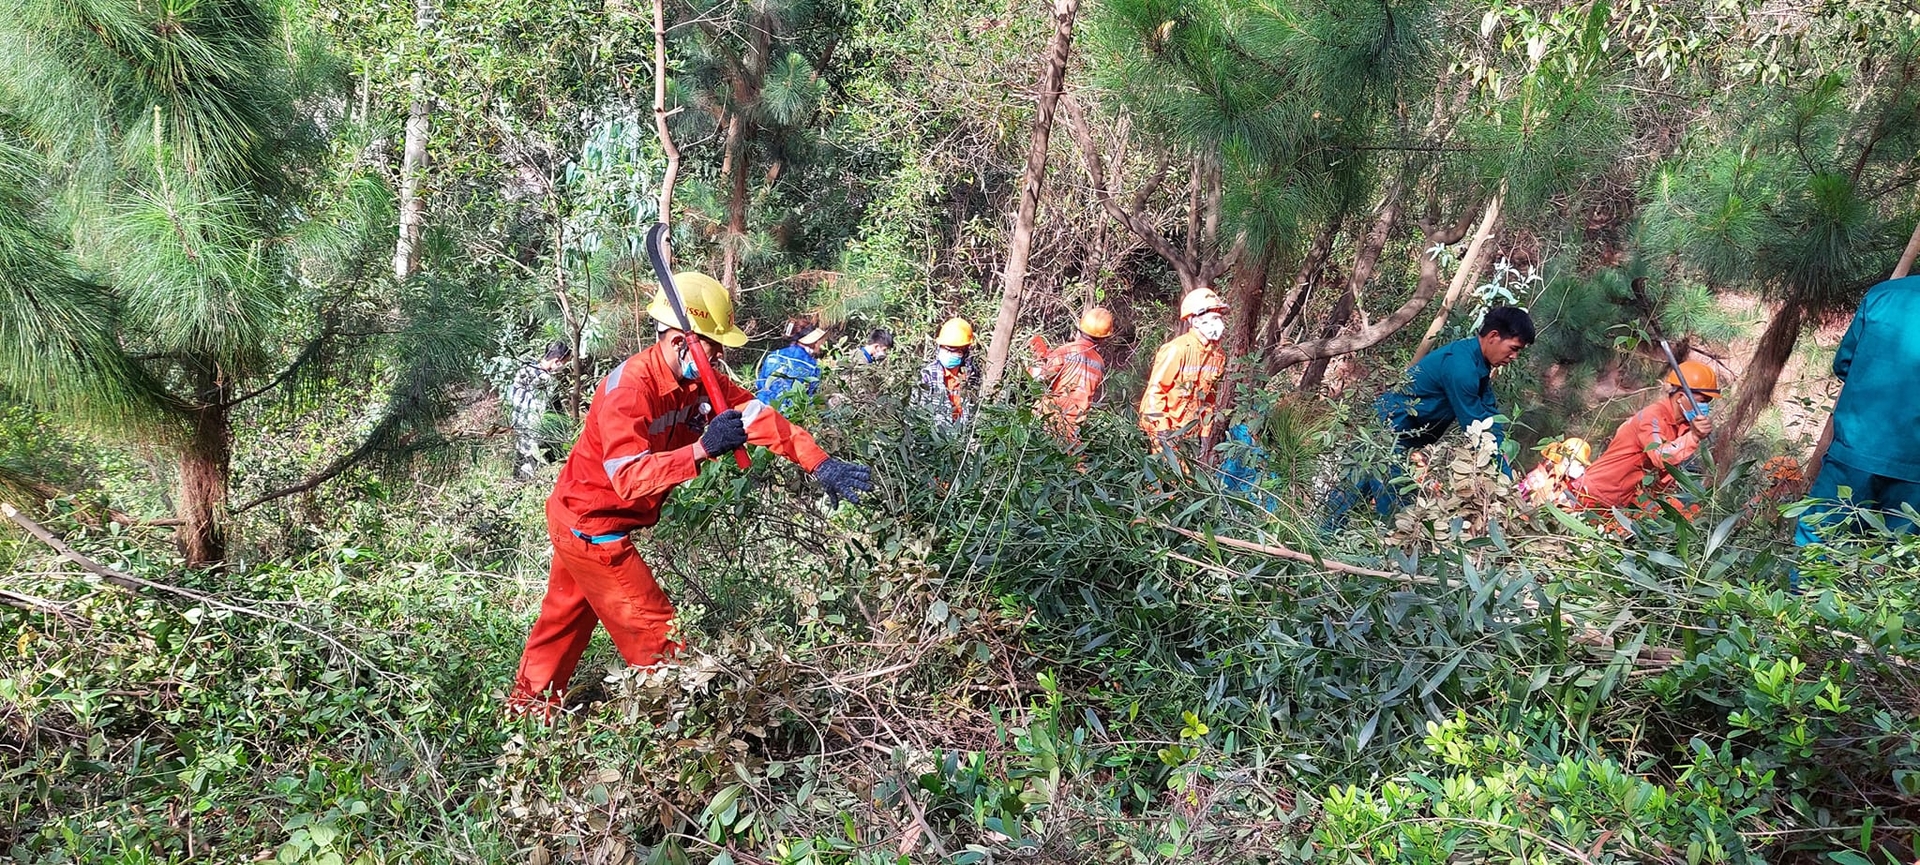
1700	378
1096	322
1579	450
709	309
956	333
1200	300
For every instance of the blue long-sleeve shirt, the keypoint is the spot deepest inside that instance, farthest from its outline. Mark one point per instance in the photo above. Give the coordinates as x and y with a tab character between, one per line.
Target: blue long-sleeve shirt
1451	385
784	369
1876	423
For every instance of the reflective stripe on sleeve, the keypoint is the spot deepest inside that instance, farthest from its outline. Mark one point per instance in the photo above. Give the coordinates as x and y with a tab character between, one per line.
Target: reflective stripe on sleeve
750	411
613	466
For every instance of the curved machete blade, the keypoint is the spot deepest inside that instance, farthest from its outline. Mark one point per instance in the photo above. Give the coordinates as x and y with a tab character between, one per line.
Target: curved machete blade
709	380
657	253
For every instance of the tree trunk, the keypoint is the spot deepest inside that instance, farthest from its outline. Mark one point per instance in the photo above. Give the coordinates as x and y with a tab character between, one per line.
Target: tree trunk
1129	216
1249	298
747	83
203	477
660	111
1469	269
413	161
1052	75
1313	269
1365	261
1316	372
736	205
1329	346
1757	382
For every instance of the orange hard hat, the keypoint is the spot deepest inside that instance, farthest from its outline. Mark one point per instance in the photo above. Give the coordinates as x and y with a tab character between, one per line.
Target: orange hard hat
1096	322
1699	377
1200	300
956	333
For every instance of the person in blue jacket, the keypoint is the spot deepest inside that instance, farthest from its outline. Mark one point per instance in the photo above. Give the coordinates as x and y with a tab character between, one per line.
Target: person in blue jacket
1243	467
1875	453
797	365
1451	387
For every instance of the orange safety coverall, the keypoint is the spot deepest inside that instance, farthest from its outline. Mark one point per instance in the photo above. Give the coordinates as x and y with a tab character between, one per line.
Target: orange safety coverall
637	444
1073	373
1648	443
1180	389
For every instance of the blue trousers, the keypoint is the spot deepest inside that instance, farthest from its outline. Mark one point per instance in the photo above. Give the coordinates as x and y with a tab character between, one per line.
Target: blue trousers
1375	490
1868	490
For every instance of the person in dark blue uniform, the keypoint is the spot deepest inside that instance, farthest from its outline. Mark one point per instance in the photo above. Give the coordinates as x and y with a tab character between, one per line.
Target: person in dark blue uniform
1453	386
1875	453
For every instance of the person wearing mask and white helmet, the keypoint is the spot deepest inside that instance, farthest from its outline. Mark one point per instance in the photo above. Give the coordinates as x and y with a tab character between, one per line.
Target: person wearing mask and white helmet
1183	386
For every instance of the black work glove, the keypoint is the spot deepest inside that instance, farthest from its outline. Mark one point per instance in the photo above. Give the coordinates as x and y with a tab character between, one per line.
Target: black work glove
725	434
844	480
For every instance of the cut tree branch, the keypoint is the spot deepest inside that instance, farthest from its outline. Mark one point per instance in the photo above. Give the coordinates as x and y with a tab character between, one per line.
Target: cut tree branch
1289	554
128	581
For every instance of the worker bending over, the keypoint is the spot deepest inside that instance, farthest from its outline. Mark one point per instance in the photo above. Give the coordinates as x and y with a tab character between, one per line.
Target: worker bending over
795	366
649	430
1875	453
1638	464
1073	373
1182	387
1451	387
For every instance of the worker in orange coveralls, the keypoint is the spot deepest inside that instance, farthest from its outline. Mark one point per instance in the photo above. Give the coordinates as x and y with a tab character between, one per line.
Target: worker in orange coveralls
649	430
1653	441
1181	389
1073	373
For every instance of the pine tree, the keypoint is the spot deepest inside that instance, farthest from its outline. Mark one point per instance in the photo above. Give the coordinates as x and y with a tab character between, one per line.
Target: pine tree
1804	196
169	250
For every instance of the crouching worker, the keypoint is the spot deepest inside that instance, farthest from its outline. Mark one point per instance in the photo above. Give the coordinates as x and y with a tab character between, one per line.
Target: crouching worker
649	430
1637	465
1452	387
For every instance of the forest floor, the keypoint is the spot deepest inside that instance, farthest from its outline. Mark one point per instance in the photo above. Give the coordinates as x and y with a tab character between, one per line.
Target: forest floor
1010	653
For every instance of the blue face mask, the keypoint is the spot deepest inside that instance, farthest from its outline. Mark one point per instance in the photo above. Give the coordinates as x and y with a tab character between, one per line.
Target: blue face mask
688	370
1698	411
951	359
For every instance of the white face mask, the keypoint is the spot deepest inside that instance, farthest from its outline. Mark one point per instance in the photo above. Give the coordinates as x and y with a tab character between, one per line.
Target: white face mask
1210	325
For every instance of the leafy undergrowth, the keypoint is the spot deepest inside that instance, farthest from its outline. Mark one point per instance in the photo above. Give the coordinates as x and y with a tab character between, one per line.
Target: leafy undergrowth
1011	654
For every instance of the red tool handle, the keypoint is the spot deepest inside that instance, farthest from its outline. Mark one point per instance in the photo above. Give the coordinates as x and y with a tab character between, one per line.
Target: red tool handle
710	382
